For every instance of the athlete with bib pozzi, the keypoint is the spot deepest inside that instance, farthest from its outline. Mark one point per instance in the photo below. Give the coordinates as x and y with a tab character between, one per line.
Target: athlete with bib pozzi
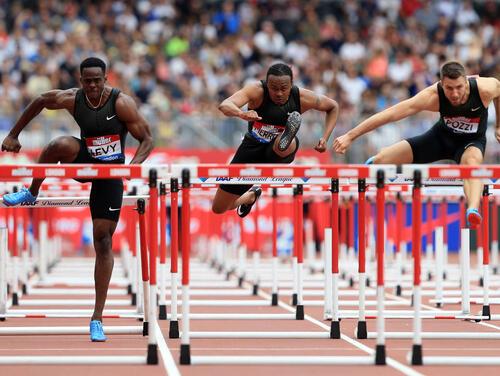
105	116
459	134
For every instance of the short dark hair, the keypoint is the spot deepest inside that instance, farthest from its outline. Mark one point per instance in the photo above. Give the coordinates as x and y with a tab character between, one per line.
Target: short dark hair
280	69
92	62
453	70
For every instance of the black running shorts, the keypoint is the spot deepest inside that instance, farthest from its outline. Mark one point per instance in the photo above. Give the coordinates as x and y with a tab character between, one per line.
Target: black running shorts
437	144
253	151
106	195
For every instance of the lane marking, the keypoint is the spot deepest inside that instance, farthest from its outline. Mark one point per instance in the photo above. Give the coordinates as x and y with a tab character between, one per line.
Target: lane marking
166	355
390	362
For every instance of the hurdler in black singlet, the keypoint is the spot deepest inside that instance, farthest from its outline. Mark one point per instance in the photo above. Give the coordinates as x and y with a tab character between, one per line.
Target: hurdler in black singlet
102	141
458	128
273	116
466	120
101	131
257	145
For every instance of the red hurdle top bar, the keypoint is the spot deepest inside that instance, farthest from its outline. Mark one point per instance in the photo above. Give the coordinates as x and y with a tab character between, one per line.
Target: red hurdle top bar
454	171
283	171
81	171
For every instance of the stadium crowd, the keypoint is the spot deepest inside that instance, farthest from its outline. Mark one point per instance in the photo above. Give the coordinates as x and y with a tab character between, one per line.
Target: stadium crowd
179	59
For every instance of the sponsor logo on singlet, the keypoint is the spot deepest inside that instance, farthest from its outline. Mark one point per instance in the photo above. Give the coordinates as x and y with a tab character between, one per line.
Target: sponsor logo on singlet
462	124
105	148
266	132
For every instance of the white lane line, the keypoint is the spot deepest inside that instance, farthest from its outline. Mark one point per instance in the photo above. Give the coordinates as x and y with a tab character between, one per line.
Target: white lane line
165	353
391	296
391	362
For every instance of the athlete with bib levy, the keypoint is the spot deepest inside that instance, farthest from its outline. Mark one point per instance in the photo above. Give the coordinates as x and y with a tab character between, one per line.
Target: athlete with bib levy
274	109
104	116
459	134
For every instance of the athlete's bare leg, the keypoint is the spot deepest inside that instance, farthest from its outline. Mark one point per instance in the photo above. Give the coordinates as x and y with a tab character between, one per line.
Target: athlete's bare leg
224	201
103	233
472	187
399	153
62	149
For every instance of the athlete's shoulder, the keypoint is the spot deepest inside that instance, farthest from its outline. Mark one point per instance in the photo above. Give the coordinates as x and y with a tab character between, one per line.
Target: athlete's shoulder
488	86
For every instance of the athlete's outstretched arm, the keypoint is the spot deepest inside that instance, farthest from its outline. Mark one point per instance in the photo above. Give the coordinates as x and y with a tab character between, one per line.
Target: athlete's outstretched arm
126	110
249	93
312	101
490	88
52	100
426	100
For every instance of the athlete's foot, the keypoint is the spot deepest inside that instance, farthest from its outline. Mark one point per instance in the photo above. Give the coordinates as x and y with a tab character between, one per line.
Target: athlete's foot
97	331
244	209
292	127
473	218
21	197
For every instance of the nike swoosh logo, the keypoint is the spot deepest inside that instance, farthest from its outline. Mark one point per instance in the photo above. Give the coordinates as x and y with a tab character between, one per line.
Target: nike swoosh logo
475	109
111	117
113	209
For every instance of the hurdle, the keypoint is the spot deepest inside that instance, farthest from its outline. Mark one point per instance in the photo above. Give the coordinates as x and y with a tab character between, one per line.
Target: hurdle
250	172
94	172
415	357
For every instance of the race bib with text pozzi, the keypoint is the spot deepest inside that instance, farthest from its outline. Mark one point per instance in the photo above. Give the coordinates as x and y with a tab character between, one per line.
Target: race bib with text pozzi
461	124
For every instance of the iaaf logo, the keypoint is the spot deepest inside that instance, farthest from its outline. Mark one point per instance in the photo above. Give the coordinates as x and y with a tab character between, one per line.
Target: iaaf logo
222	179
101	141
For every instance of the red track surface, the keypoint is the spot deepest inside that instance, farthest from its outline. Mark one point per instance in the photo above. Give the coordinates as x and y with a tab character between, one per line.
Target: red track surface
136	344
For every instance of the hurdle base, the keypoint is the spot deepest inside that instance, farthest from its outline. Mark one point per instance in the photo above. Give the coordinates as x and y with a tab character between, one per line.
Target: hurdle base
380	355
294	299
299	312
255	289
335	330
416	355
439	305
24	289
162	312
174	329
486	311
362	332
134	299
15	299
351	282
240	281
399	290
129	289
145	328
274	299
152	357
495	270
481	282
368	283
185	355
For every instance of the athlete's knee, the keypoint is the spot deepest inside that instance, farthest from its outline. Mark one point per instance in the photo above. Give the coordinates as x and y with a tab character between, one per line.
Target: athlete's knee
471	160
62	146
218	209
102	241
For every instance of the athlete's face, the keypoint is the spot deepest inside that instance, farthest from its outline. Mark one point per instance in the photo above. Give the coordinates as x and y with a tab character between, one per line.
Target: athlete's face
92	81
279	88
455	89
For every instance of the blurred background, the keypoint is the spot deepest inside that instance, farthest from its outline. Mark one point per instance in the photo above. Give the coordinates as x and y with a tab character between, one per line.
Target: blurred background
179	59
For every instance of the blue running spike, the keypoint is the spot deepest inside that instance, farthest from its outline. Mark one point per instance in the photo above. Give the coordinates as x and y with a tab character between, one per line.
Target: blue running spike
17	198
97	331
370	160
